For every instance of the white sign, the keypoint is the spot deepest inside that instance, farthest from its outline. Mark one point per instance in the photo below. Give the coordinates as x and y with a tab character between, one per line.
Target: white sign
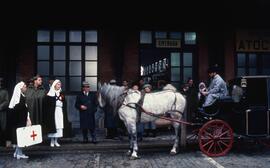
28	136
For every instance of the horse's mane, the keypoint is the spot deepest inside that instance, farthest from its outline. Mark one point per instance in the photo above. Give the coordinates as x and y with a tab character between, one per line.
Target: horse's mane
169	87
112	95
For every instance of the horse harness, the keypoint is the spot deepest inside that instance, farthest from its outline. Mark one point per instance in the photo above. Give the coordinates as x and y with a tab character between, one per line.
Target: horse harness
139	109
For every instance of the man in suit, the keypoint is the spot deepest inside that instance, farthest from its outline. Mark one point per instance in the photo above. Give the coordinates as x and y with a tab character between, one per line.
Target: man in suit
86	103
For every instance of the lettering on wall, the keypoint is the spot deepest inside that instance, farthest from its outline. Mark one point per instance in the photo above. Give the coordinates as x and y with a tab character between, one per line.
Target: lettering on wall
166	43
253	41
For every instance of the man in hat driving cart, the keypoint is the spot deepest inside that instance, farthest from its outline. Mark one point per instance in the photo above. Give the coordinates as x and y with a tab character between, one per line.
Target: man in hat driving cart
216	89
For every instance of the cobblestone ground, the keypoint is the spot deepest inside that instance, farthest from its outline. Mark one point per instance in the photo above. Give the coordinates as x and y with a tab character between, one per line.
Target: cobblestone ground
150	159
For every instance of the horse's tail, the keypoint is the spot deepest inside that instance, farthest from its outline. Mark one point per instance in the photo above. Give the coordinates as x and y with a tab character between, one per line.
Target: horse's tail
180	102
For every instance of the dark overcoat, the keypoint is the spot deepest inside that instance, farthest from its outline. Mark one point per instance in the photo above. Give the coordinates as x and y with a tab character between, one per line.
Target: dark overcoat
48	124
87	117
34	100
18	117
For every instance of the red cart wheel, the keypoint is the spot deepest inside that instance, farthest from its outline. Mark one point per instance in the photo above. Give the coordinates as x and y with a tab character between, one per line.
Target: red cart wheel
215	138
265	142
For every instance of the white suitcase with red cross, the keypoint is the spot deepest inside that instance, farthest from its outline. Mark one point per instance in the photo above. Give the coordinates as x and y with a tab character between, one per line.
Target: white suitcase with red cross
28	136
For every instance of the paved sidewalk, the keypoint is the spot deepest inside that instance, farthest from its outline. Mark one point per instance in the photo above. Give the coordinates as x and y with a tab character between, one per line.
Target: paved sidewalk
164	139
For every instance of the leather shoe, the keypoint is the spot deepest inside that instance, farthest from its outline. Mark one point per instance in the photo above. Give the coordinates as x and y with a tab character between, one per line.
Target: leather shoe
22	156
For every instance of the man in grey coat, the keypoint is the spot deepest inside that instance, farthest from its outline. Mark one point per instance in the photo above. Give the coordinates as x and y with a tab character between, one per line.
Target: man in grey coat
217	88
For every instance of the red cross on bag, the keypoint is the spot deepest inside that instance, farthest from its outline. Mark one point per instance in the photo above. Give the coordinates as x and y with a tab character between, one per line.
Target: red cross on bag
28	136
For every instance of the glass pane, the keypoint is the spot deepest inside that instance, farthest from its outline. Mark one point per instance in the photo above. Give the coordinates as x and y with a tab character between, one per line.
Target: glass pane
142	71
149	69
252	60
93	83
75	68
91	36
266	61
266	71
59	68
159	35
175	59
75	53
91	53
75	83
175	35
165	64
145	37
252	71
43	36
241	59
241	72
43	52
160	65
75	36
190	38
43	67
266	65
187	73
187	59
175	74
59	52
59	36
90	68
156	66
63	82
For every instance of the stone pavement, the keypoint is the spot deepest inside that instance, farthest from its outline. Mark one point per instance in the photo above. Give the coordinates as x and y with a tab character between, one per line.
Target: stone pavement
164	139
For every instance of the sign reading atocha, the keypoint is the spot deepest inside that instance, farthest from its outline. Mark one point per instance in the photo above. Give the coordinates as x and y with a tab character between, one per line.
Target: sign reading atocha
168	43
253	41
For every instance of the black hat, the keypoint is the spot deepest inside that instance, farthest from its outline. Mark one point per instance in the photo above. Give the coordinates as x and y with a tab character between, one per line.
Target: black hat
212	69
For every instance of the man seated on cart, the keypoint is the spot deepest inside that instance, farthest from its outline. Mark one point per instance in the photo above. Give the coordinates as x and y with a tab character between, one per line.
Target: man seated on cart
216	90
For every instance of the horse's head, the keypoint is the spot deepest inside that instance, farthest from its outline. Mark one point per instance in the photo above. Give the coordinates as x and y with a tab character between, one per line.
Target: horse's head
110	95
101	96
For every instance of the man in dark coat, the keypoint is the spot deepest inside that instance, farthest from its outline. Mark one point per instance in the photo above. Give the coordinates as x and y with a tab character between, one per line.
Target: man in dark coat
86	103
34	99
4	101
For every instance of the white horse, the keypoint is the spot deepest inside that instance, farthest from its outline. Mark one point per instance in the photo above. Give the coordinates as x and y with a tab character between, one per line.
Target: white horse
167	102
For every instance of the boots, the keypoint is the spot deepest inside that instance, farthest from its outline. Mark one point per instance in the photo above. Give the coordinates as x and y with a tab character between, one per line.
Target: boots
56	143
52	142
19	155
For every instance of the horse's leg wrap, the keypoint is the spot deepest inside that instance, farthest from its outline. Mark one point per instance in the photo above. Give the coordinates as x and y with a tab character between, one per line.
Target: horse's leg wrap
176	141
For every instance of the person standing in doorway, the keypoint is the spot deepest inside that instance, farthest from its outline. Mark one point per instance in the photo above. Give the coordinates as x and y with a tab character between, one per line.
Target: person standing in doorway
86	103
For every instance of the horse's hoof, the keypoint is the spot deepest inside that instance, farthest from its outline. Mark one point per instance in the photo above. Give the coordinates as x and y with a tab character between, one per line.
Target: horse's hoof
129	153
173	153
134	158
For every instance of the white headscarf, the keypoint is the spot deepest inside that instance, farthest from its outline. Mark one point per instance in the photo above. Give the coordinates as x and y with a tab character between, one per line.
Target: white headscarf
16	95
52	91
